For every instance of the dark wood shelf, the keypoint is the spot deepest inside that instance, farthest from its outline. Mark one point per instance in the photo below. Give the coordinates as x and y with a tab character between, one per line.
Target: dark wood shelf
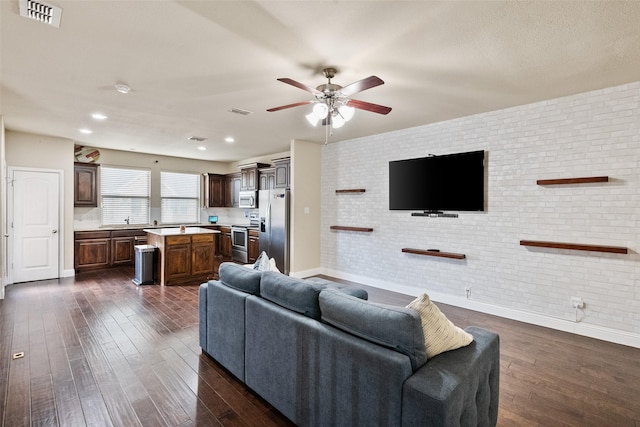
359	229
563	181
575	246
434	253
351	190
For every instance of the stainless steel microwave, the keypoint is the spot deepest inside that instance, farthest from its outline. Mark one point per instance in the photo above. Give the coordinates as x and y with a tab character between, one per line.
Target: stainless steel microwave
248	199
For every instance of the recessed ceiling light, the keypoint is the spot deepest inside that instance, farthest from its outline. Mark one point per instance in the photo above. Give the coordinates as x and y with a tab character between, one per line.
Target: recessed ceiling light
99	116
86	131
202	148
229	140
122	88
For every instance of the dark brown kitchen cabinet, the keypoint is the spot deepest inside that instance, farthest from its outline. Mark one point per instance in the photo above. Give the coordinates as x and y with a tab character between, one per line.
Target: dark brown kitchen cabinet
253	248
185	259
283	172
92	250
233	183
122	246
217	185
105	249
249	175
267	179
202	254
177	259
225	243
85	185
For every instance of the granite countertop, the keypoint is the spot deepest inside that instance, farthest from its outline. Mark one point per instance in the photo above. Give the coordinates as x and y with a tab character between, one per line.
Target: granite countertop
175	231
142	227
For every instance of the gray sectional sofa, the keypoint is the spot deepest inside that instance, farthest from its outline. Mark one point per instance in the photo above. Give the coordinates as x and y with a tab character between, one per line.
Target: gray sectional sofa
324	356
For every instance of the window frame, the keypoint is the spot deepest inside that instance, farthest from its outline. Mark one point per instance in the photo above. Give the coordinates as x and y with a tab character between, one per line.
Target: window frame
197	199
145	213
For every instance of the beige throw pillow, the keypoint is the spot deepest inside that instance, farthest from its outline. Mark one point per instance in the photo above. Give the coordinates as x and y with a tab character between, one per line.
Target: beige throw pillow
440	334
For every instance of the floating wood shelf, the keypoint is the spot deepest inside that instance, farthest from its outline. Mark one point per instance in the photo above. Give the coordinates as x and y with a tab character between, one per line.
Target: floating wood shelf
575	246
359	229
351	190
433	253
562	181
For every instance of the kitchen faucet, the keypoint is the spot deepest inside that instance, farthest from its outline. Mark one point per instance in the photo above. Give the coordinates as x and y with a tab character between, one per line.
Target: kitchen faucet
126	220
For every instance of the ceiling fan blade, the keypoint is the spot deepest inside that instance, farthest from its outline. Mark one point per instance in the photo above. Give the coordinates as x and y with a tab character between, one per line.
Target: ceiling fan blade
300	85
361	85
362	105
297	104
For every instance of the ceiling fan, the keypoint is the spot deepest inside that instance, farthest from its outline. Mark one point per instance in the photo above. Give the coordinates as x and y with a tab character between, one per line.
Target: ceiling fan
332	105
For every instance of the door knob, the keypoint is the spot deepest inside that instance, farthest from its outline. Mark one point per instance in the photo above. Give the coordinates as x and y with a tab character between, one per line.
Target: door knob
54	231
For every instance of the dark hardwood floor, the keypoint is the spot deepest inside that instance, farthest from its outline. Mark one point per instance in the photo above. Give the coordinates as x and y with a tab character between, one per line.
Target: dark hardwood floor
100	351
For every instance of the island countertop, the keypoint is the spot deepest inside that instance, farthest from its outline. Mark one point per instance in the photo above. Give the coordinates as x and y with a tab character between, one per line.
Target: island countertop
175	231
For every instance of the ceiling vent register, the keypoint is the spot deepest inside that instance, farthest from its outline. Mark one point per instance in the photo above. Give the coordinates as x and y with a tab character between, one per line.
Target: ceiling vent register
41	11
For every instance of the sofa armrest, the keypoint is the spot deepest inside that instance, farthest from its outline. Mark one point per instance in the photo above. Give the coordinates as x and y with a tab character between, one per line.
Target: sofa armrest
202	315
456	388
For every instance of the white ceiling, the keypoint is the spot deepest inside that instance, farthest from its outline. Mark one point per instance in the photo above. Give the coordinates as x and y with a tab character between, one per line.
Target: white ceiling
190	62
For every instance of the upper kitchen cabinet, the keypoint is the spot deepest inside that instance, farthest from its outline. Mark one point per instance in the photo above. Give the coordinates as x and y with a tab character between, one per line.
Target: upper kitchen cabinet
267	179
249	174
85	185
282	167
232	190
217	184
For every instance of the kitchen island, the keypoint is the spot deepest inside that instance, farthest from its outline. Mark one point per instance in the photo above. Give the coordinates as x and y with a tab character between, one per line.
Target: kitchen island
184	257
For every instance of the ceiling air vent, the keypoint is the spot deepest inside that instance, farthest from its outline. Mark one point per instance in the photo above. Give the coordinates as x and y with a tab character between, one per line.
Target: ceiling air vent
241	111
41	11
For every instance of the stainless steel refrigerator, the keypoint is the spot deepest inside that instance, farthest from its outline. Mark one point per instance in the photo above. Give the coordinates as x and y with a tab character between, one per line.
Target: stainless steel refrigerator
274	226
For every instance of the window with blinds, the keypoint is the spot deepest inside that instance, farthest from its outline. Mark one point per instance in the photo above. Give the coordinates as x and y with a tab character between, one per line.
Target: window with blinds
125	195
179	198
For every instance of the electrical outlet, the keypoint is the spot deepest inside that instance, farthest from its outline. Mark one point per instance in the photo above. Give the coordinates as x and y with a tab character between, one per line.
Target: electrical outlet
467	291
577	302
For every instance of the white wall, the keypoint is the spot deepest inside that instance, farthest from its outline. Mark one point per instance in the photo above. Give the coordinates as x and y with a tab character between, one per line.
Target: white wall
47	152
3	211
590	134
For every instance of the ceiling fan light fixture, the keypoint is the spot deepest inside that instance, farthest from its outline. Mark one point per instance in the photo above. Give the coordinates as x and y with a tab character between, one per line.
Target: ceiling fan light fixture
320	110
312	119
337	121
346	112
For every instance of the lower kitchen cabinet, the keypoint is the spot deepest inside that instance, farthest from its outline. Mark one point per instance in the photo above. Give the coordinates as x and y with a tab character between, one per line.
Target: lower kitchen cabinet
105	249
176	259
92	250
253	248
185	259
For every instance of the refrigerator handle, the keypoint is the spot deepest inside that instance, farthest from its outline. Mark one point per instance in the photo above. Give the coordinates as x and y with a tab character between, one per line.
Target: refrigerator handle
269	219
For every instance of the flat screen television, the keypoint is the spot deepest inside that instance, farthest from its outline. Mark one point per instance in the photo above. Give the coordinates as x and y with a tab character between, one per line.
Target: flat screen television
452	182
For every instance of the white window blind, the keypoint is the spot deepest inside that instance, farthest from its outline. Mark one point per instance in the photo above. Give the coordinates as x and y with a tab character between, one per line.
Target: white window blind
180	198
125	195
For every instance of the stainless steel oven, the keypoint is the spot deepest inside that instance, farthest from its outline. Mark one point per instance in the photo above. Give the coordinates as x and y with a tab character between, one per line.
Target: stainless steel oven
239	244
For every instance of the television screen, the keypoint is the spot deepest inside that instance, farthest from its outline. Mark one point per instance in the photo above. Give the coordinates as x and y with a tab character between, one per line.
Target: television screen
452	182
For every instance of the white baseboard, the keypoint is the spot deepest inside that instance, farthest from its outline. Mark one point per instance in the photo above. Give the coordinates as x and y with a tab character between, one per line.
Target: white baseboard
305	273
69	273
578	328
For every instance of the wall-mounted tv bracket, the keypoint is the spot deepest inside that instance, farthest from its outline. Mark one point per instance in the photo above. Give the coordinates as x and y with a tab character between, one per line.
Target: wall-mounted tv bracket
435	214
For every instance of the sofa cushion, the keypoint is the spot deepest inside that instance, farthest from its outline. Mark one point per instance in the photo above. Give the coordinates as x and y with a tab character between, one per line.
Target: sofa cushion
440	334
300	296
240	278
398	328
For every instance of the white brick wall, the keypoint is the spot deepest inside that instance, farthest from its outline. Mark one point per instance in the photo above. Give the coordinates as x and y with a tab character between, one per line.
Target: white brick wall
589	134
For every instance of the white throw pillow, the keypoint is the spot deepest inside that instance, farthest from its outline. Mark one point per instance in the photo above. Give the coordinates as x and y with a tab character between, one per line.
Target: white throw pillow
272	265
262	263
440	334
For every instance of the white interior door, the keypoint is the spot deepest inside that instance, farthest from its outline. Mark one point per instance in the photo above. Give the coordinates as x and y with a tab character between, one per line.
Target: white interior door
35	225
